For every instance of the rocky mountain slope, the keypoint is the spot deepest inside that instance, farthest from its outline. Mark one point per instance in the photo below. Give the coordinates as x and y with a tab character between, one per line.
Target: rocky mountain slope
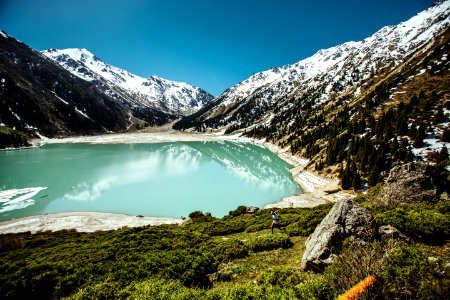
38	96
71	92
175	98
354	105
329	73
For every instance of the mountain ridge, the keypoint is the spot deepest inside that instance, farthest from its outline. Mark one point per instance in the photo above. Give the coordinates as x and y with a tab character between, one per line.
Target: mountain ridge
318	71
176	98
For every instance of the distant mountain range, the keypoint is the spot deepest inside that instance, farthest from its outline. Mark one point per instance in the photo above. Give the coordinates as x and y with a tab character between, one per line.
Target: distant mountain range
71	92
176	98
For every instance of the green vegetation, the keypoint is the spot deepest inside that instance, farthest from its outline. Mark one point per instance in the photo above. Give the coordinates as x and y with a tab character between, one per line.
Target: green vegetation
10	138
203	260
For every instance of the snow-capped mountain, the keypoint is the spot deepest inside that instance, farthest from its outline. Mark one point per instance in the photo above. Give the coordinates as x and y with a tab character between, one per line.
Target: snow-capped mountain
330	73
175	98
39	97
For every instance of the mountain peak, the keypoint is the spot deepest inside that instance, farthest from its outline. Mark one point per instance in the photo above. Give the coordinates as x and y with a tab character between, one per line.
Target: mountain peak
154	92
4	34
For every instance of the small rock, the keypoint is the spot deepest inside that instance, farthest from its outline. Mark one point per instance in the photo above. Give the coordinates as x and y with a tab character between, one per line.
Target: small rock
207	214
389	232
251	209
214	276
332	190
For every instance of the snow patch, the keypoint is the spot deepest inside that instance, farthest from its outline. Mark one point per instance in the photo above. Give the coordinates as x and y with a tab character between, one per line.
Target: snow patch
310	181
18	198
82	113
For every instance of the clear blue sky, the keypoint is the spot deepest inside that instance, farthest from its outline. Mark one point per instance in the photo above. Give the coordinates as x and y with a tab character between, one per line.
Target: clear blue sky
212	44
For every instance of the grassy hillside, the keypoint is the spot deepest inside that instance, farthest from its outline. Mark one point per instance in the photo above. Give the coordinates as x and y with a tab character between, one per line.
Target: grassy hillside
245	260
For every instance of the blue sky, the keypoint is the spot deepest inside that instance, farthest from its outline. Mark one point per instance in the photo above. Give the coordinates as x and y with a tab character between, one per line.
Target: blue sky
212	44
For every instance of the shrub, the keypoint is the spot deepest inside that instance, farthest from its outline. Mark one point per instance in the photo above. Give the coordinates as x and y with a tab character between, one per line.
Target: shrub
408	273
240	210
196	214
428	225
270	242
316	288
281	276
256	227
354	264
307	223
402	272
229	249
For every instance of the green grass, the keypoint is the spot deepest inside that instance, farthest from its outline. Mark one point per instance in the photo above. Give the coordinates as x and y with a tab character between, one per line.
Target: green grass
171	262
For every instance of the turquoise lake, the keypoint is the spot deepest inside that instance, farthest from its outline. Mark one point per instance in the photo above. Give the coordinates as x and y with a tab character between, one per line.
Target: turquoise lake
166	179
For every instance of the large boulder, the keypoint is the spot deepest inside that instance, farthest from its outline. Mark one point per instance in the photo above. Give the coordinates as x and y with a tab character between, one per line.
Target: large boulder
413	183
345	220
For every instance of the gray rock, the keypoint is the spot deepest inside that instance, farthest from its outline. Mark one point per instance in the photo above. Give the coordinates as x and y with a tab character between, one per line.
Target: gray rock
251	209
413	183
346	219
389	232
214	276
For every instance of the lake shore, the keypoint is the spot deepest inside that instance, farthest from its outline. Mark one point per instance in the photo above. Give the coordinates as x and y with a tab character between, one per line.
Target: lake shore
316	190
80	221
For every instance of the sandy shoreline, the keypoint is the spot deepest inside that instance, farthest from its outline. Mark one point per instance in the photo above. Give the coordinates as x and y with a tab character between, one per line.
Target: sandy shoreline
81	221
314	187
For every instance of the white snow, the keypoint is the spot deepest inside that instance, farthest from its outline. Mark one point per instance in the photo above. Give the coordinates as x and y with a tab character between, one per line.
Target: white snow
82	113
3	34
18	198
61	99
310	182
155	92
14	114
81	221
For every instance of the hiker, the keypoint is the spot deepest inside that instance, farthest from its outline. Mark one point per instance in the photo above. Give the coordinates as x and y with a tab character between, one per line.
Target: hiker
275	220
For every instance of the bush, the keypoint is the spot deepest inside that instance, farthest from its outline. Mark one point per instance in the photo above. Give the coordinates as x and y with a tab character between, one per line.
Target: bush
408	273
226	250
354	264
402	272
238	211
55	265
270	242
173	290
256	227
307	223
196	214
281	276
428	225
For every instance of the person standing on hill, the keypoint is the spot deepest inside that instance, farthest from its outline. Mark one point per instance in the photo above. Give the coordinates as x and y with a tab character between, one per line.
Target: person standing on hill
275	220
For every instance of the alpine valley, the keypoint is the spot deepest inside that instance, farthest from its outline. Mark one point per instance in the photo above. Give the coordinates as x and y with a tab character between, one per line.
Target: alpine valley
366	125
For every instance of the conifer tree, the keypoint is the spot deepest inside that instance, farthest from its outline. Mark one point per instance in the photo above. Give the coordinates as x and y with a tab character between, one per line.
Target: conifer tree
442	156
420	135
445	137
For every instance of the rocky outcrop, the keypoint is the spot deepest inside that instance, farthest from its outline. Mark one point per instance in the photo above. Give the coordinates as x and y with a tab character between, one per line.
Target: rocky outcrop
389	232
251	209
346	219
413	183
